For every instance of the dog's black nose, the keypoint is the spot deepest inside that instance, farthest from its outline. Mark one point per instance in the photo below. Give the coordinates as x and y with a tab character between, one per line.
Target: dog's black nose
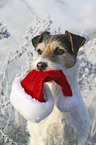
41	65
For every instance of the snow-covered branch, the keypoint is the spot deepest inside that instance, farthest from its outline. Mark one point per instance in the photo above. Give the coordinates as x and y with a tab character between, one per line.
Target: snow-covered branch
3	31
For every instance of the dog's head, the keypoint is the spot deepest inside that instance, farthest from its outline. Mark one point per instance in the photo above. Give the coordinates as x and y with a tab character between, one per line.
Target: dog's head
56	51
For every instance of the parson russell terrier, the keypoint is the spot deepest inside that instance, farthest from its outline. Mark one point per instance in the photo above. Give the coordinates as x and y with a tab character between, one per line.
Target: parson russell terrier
60	52
69	127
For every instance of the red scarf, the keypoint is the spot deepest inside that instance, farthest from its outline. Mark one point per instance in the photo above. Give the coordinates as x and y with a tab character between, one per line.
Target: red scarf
34	81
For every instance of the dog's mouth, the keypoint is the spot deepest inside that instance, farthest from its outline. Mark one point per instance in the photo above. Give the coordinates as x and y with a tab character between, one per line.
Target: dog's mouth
43	65
48	69
41	70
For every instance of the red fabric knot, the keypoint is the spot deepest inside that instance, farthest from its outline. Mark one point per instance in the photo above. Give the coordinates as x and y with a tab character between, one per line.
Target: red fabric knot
34	81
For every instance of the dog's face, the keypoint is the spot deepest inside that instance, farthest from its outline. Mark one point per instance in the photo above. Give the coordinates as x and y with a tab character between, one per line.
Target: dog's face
60	50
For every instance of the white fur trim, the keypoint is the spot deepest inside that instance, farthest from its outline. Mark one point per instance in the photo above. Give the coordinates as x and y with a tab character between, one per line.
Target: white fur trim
30	108
67	104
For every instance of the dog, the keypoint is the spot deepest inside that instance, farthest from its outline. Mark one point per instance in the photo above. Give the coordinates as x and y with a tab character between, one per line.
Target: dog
59	52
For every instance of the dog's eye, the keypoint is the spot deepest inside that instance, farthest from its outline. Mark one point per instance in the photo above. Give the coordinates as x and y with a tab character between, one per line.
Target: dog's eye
58	51
39	51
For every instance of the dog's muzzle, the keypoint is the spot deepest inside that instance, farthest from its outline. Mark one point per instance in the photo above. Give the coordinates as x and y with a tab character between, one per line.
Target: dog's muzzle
41	66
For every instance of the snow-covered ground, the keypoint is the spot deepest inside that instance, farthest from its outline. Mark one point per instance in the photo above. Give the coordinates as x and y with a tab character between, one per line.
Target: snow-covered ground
77	16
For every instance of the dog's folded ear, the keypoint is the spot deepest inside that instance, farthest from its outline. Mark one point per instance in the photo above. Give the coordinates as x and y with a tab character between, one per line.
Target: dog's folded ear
39	38
75	40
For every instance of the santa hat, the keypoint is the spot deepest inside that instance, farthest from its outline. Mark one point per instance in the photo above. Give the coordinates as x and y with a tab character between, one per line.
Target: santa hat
32	97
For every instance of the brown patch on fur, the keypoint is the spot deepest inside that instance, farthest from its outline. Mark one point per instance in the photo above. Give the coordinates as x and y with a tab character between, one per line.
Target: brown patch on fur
68	60
71	41
48	47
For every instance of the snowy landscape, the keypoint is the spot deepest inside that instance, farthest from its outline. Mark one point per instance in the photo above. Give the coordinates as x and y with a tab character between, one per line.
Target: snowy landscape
21	20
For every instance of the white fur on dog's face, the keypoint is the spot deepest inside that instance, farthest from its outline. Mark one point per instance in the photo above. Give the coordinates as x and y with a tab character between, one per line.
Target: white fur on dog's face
50	65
